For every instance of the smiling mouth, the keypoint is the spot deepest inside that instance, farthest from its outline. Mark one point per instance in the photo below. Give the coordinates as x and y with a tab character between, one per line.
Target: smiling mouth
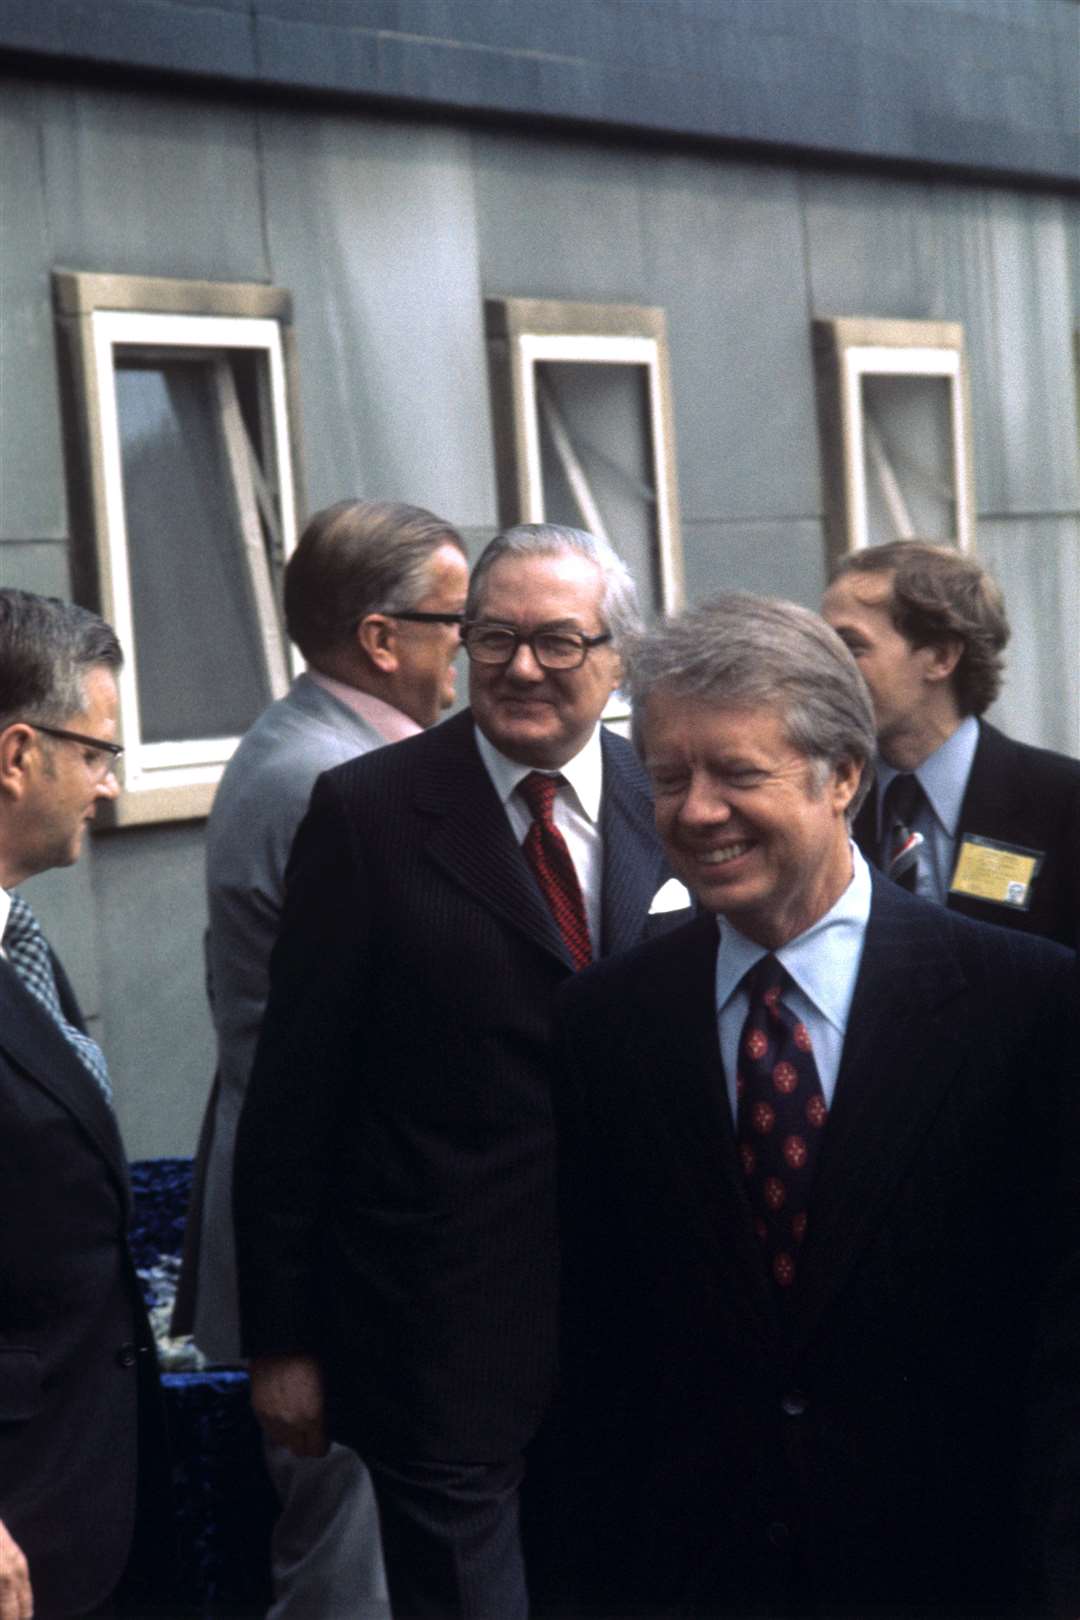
729	852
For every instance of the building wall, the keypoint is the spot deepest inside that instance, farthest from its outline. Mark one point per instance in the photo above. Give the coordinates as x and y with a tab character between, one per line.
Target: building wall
389	232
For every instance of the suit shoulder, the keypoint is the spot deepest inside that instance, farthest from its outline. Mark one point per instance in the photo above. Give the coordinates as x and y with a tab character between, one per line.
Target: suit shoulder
1043	766
624	974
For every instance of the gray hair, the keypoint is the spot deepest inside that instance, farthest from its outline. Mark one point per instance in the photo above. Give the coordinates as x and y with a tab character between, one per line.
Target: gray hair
356	558
618	601
47	649
743	652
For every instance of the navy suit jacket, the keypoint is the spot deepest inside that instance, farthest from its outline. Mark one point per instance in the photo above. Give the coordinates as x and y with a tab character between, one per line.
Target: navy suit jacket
1022	796
395	1169
891	1443
78	1377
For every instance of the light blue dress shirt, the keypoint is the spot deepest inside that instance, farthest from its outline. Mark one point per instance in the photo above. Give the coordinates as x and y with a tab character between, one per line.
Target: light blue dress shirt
824	964
943	778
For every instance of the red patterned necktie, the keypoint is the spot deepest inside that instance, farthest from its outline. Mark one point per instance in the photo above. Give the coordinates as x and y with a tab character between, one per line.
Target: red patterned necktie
546	852
781	1116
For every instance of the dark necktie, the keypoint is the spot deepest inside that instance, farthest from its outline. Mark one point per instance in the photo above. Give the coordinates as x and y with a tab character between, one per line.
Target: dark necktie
27	951
899	840
781	1116
546	852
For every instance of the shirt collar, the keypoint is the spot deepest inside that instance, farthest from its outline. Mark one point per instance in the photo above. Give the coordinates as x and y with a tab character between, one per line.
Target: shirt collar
823	961
390	723
584	773
5	911
943	776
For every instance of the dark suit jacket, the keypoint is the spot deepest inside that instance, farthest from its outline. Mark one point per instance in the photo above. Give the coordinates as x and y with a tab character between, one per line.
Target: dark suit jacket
862	1453
76	1353
1025	796
395	1170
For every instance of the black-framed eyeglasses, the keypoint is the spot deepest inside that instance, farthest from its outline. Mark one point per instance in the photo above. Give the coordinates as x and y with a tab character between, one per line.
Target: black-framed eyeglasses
417	617
552	649
111	750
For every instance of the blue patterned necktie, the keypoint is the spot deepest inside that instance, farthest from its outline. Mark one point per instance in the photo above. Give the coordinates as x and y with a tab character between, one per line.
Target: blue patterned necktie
27	951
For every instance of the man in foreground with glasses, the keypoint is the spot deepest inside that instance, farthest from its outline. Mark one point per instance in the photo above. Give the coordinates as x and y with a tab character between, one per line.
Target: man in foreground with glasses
78	1397
395	1173
374	599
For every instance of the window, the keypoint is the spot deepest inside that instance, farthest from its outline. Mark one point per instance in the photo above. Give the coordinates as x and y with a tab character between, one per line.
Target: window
581	399
895	423
181	459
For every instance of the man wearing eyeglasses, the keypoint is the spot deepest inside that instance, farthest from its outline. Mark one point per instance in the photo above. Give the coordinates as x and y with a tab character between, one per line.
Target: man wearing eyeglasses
374	599
78	1398
395	1194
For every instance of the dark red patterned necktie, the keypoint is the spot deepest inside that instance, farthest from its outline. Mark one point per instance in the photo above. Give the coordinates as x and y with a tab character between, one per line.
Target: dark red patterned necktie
781	1116
546	852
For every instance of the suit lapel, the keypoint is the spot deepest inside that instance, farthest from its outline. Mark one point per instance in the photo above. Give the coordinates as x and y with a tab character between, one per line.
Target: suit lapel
35	1045
633	863
900	1054
471	839
677	1051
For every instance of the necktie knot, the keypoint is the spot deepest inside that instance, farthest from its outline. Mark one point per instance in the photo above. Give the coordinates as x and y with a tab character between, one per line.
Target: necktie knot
901	801
538	789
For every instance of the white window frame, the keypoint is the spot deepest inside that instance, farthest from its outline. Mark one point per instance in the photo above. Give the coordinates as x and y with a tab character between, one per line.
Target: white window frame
523	332
846	350
99	316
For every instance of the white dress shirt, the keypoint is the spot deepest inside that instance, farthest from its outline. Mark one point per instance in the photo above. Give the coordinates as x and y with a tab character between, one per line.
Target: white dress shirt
576	812
823	962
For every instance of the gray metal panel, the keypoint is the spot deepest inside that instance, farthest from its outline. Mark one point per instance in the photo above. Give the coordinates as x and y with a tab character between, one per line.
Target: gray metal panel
1037	563
1005	274
142	184
559	220
32	501
724	256
995	261
35	565
981	85
372	226
775	558
149	921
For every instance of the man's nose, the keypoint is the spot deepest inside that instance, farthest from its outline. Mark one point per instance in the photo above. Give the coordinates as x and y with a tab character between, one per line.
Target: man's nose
524	665
108	787
705	803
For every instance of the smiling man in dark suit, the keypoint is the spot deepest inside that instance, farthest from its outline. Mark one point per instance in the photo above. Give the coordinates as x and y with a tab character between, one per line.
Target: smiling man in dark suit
395	1170
960	813
820	1172
78	1397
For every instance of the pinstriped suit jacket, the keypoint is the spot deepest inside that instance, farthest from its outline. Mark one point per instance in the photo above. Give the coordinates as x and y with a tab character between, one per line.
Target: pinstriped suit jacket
395	1171
903	1440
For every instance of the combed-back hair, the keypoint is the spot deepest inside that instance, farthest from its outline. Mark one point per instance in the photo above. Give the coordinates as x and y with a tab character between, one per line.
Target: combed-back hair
47	648
754	652
940	594
618	600
356	558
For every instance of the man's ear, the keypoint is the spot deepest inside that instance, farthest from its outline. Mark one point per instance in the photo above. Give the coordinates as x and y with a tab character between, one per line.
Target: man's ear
847	775
943	657
376	635
16	742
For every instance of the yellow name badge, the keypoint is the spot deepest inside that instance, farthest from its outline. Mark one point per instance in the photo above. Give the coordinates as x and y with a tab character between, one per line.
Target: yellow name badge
1001	873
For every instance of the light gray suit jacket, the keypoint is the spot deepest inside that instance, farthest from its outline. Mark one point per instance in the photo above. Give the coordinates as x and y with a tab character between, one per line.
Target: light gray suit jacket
260	803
